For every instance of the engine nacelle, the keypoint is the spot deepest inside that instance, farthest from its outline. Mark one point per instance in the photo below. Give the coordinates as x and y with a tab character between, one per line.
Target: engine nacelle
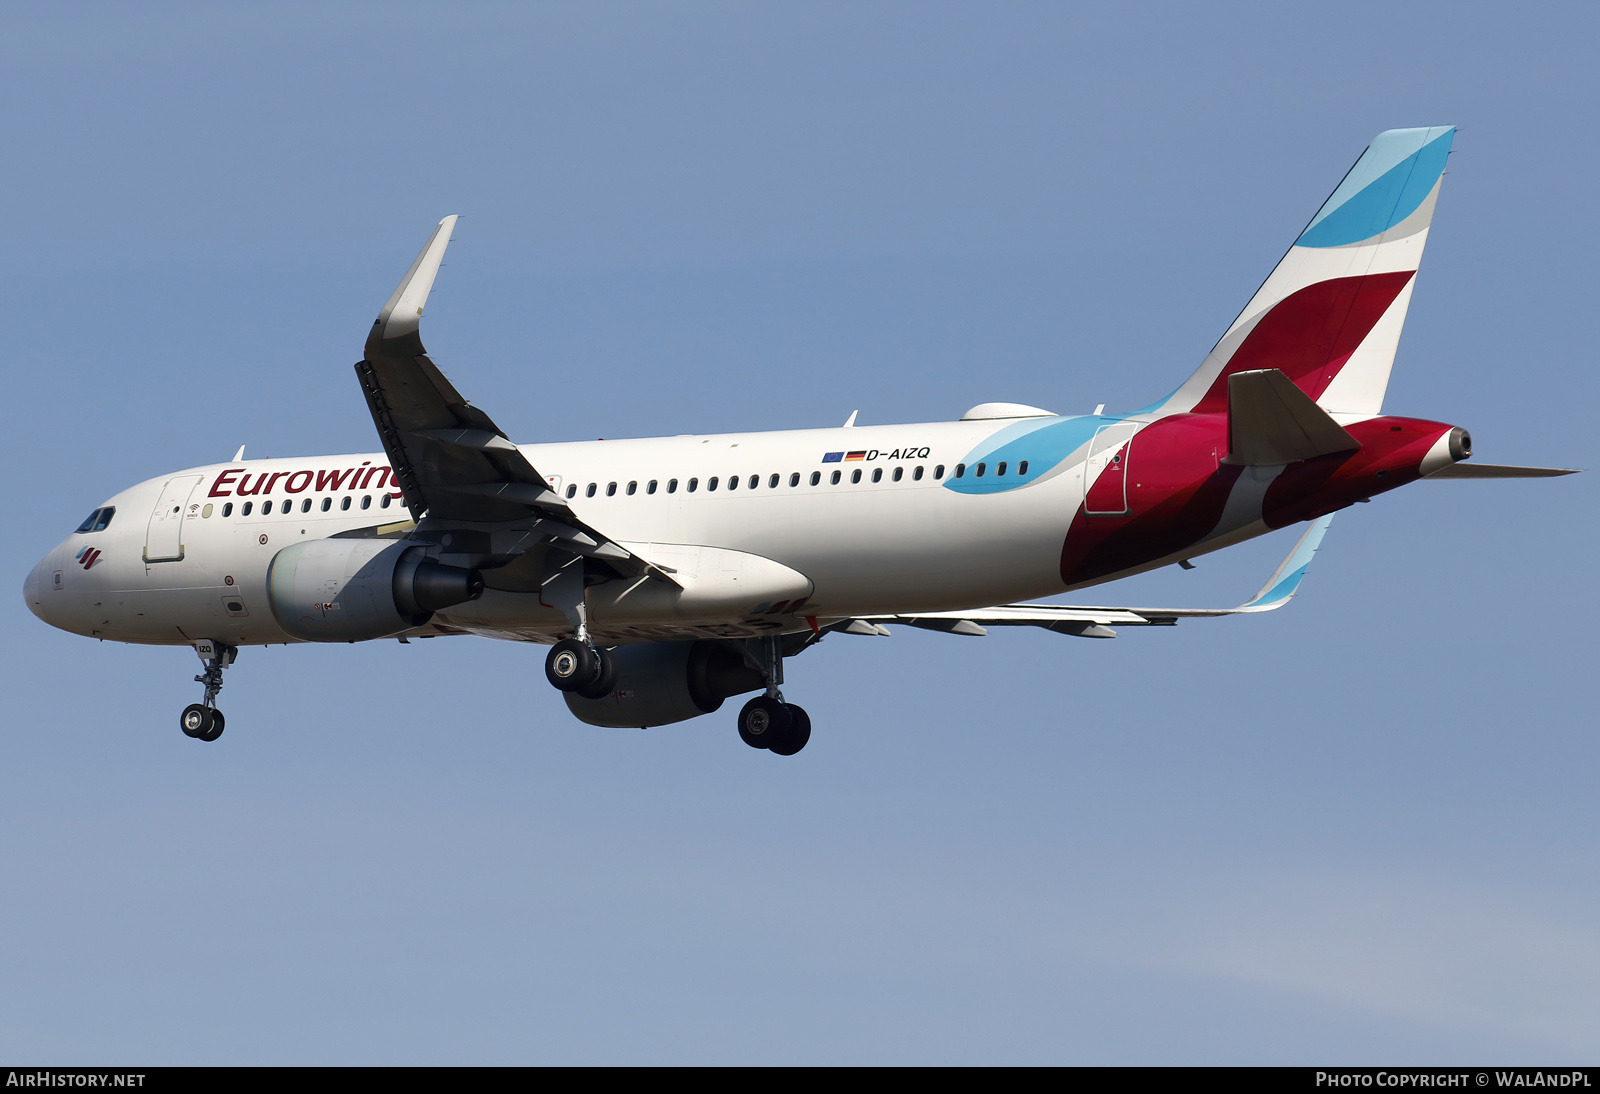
659	683
351	590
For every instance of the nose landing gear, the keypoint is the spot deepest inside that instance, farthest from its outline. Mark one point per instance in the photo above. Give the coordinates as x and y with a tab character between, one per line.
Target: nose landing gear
203	721
767	721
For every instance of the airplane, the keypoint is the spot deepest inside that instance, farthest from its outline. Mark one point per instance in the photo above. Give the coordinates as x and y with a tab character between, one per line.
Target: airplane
669	574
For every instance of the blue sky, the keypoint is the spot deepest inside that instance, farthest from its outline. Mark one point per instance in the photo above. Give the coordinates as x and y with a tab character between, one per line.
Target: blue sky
1361	829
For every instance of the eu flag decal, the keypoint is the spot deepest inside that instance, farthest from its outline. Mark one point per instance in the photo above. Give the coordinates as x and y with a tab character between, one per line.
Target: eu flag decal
832	457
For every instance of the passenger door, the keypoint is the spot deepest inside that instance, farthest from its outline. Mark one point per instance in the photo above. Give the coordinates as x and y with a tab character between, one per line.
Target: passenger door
163	537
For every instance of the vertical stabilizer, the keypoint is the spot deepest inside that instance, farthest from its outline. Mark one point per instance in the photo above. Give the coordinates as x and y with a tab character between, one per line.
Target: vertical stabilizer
1329	317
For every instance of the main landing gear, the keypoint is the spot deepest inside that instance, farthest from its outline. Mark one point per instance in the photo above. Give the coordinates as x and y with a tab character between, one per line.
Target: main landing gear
767	721
203	721
578	666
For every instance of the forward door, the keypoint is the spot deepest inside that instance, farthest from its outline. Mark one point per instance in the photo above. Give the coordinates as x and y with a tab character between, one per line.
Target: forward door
163	537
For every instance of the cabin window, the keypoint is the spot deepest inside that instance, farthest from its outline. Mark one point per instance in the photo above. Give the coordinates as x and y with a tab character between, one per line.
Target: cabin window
834	479
733	482
205	511
772	483
633	488
855	476
366	501
651	488
327	503
755	481
711	483
877	474
999	468
981	468
794	479
916	474
572	490
693	485
589	492
611	489
305	506
816	477
961	469
672	486
227	509
899	473
1022	468
383	502
344	504
266	508
938	471
247	507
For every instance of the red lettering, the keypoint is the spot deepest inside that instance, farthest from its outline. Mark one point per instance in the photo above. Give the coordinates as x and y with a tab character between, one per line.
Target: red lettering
223	479
242	492
292	488
367	478
330	480
272	479
383	475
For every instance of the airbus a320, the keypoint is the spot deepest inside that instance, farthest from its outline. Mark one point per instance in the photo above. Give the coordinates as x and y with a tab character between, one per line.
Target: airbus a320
667	575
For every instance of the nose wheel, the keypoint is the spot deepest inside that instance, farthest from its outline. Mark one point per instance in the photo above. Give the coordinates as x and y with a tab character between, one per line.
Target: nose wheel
203	721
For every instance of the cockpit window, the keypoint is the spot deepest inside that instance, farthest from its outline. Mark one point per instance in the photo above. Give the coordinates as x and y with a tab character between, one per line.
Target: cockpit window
97	520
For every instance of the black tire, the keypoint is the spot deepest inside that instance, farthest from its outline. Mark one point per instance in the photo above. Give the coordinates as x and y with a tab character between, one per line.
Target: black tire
795	737
763	721
217	724
605	680
196	720
571	666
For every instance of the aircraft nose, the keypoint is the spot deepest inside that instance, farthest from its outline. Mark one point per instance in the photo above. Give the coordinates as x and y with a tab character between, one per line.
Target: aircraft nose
33	589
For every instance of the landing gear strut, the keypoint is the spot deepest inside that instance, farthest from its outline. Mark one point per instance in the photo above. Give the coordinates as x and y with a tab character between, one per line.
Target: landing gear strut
203	721
767	721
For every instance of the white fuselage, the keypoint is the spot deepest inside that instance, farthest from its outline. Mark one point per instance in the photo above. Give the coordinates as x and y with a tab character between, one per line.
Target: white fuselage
892	535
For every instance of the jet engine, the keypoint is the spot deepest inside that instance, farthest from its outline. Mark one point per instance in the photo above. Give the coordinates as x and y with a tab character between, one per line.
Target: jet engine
350	590
658	683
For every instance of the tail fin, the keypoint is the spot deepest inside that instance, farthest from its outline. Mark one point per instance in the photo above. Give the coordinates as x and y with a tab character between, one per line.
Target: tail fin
1329	316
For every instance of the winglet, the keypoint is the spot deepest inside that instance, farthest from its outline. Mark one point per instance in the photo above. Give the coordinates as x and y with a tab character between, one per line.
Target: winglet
402	315
1285	580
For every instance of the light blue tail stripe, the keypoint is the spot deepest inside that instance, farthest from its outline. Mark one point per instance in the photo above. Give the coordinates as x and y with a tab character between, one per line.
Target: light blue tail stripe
1390	180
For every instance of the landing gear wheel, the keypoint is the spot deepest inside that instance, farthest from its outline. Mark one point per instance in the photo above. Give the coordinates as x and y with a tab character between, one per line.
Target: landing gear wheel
763	722
605	678
794	738
572	665
217	722
196	720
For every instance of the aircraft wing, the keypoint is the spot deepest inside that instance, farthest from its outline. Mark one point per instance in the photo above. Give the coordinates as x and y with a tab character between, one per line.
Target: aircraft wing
450	460
1095	622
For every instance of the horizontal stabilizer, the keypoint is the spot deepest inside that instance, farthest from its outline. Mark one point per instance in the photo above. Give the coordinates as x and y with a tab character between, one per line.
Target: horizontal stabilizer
1499	471
1271	421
